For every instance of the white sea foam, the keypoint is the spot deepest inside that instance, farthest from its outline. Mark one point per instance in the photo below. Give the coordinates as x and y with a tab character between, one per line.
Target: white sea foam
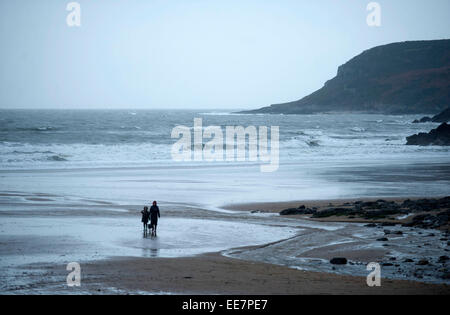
318	155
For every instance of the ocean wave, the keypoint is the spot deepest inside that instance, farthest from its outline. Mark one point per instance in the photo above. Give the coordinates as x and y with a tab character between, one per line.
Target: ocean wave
32	152
58	158
313	143
84	141
358	129
130	128
221	114
47	128
41	155
33	129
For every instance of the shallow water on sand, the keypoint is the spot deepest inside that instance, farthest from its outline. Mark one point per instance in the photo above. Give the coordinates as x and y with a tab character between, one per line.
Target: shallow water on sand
314	245
26	242
31	240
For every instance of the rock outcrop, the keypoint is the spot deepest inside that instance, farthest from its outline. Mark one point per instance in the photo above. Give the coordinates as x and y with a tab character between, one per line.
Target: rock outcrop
400	78
442	117
439	118
425	213
438	136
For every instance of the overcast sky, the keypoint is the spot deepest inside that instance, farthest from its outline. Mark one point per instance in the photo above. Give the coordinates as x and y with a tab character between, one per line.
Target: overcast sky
192	53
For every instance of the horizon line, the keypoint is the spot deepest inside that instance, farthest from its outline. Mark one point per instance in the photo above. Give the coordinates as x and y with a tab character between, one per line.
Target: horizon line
120	108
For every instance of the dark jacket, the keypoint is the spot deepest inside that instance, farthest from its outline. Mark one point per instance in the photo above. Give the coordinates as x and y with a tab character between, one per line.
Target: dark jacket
154	214
145	216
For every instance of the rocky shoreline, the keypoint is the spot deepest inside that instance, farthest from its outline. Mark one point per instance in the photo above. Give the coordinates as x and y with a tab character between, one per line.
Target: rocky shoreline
439	118
439	136
424	213
393	221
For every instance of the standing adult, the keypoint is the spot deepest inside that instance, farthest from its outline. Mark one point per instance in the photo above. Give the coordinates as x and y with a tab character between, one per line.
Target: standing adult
154	215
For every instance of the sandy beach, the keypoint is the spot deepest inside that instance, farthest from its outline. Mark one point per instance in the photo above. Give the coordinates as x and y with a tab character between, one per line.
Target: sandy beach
231	250
213	274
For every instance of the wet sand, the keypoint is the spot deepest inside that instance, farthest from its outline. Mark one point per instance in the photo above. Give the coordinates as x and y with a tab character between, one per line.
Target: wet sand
215	274
289	256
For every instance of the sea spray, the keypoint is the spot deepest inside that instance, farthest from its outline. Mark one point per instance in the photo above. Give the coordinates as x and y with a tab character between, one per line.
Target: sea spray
235	147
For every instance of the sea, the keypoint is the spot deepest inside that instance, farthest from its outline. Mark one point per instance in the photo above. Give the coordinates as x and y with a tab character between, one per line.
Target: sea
125	156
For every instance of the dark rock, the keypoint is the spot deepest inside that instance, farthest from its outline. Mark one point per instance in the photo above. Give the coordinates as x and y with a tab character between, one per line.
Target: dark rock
382	209
422	120
339	261
425	119
289	211
426	204
383	239
296	211
442	117
387	264
408	260
439	136
430	220
443	259
388	224
332	212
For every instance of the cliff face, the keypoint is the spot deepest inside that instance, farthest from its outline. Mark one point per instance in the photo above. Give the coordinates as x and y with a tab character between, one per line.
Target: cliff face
407	77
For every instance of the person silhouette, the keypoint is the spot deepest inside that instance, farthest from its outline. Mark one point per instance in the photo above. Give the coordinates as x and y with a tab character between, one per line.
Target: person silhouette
144	220
154	215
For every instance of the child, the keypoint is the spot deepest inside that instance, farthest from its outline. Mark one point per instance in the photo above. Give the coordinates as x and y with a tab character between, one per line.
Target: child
145	217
